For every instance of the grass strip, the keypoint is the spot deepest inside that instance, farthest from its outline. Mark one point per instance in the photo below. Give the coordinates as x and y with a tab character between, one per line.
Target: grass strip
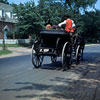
10	45
4	52
15	45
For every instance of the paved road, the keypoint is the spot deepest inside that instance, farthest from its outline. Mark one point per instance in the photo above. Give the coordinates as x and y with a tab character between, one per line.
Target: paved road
20	81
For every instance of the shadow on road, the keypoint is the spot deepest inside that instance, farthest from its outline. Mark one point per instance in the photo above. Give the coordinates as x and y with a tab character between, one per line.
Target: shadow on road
83	89
52	66
65	88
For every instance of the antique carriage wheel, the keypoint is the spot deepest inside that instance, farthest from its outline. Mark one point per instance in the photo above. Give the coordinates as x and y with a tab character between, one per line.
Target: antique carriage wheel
66	56
37	57
78	54
59	46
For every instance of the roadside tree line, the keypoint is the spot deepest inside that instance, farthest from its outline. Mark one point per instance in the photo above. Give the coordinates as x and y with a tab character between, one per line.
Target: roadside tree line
32	18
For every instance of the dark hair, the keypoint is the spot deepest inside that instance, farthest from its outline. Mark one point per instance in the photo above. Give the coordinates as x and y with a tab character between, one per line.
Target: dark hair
66	16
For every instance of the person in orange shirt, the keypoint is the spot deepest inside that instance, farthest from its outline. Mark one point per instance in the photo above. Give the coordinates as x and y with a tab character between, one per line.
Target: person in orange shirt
69	25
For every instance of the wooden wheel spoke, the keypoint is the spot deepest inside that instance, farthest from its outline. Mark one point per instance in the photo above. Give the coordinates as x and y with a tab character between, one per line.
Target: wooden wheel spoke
53	59
41	59
37	59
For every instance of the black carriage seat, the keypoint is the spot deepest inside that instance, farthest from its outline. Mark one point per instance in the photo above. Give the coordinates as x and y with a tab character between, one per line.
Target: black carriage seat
53	31
49	37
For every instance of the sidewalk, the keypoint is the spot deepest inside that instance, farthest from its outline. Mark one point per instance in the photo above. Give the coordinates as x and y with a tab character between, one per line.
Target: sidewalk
17	51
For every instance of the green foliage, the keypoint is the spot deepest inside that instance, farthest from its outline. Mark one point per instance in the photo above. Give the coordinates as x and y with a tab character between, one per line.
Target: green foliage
10	45
50	11
78	5
4	1
92	24
31	18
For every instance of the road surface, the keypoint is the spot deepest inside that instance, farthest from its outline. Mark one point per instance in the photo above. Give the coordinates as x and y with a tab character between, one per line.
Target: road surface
19	80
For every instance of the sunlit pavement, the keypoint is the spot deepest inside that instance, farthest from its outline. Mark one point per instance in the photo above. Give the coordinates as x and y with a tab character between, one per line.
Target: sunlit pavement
20	81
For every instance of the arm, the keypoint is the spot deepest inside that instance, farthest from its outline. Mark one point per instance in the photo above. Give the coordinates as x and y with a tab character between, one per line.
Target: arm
73	24
62	23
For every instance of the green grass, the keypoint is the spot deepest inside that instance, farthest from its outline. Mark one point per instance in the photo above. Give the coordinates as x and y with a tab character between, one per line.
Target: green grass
10	45
4	52
15	45
90	43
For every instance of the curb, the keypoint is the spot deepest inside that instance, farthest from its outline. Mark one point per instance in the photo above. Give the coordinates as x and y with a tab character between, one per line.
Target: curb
25	51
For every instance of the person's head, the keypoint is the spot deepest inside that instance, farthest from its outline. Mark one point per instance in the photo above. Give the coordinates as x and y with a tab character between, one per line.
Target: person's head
66	16
48	26
54	27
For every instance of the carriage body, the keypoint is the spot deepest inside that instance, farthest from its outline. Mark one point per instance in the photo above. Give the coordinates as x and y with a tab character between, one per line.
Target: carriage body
49	38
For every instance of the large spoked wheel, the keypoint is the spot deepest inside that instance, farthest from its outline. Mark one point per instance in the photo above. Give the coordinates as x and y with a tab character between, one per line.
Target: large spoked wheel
66	56
78	54
59	45
37	57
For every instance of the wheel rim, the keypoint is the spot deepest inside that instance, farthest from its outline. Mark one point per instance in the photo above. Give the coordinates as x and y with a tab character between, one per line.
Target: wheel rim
78	54
66	56
37	59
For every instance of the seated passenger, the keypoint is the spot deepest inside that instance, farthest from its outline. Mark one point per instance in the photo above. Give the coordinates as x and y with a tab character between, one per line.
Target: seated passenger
48	26
54	27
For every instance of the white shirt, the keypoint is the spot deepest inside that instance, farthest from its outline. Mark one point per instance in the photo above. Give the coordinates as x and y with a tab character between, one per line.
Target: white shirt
64	22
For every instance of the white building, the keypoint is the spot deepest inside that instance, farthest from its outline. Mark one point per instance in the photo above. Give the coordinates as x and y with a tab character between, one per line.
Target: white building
7	17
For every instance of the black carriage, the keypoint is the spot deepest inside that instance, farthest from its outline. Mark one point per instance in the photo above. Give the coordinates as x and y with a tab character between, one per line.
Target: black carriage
55	43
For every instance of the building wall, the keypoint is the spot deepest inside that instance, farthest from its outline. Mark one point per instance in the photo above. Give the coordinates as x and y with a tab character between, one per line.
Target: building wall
1	35
8	14
3	24
6	17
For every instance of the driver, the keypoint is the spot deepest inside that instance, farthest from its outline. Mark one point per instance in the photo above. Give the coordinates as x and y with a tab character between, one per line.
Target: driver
69	25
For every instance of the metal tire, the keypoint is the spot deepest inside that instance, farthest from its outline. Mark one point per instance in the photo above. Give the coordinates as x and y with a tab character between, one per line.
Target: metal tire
78	54
66	56
36	58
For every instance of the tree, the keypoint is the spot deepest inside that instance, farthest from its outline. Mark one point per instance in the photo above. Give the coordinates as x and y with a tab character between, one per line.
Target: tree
78	11
29	20
4	1
92	32
76	6
50	10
